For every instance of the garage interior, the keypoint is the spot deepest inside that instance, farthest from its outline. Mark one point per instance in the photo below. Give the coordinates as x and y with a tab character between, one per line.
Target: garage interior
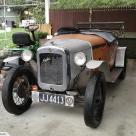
46	119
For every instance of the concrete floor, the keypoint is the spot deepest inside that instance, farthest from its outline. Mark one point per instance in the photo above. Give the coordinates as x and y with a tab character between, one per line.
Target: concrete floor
51	120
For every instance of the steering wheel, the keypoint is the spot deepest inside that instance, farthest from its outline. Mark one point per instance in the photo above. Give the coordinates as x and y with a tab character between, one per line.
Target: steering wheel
31	28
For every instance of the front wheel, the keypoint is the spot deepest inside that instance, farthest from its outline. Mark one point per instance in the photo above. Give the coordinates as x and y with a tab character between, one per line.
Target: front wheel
16	90
94	100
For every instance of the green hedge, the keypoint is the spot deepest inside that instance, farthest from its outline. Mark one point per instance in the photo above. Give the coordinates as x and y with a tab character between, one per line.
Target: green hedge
41	35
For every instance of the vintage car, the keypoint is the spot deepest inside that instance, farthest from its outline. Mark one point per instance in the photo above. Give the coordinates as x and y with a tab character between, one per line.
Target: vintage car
75	64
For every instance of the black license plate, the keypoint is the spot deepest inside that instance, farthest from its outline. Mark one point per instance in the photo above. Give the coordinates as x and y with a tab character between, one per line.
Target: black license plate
46	97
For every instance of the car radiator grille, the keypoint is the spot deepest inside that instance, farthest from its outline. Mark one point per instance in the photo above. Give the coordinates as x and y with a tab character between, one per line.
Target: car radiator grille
51	68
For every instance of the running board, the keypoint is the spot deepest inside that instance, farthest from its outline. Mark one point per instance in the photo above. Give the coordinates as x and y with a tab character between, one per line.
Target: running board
114	74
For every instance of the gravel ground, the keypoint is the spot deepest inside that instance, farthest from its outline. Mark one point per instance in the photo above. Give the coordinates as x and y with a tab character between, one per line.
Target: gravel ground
52	120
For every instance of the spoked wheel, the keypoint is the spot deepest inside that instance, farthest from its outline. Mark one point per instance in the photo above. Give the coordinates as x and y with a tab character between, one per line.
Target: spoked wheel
16	95
94	100
21	90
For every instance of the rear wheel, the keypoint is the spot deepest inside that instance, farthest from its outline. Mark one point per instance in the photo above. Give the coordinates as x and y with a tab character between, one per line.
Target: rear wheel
16	90
94	100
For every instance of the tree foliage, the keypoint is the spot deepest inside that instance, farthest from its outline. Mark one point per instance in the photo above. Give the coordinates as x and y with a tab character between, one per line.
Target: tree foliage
68	4
38	13
72	4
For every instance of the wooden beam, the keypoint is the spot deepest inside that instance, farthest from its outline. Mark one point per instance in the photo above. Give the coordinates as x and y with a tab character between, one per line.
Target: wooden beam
23	5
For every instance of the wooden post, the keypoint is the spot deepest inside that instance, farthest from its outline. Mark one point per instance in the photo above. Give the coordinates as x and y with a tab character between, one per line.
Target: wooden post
47	7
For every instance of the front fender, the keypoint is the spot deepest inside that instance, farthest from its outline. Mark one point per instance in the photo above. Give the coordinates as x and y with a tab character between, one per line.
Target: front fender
93	64
12	60
100	66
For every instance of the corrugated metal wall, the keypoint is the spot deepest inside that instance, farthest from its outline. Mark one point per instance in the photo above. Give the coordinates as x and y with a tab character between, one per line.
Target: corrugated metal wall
128	15
61	18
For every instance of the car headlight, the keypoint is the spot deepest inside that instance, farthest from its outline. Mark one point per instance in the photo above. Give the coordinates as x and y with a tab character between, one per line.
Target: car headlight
80	59
27	55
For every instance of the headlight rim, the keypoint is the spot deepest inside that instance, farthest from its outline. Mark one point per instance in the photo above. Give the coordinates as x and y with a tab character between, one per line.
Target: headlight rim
22	55
85	59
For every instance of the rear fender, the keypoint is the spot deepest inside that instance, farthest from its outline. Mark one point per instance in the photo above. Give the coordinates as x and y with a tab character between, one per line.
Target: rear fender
120	56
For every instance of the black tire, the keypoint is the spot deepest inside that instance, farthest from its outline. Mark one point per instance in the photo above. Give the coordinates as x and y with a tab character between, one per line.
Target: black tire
23	75
123	73
95	96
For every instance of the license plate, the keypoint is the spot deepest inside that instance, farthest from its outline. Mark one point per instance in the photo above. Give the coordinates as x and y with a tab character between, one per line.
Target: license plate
46	97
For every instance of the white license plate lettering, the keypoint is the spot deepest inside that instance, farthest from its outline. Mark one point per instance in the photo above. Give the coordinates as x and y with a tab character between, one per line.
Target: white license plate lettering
54	99
44	98
58	101
51	99
62	100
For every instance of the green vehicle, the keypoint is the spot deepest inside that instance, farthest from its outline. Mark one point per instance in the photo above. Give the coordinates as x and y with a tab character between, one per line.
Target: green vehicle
20	71
24	45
